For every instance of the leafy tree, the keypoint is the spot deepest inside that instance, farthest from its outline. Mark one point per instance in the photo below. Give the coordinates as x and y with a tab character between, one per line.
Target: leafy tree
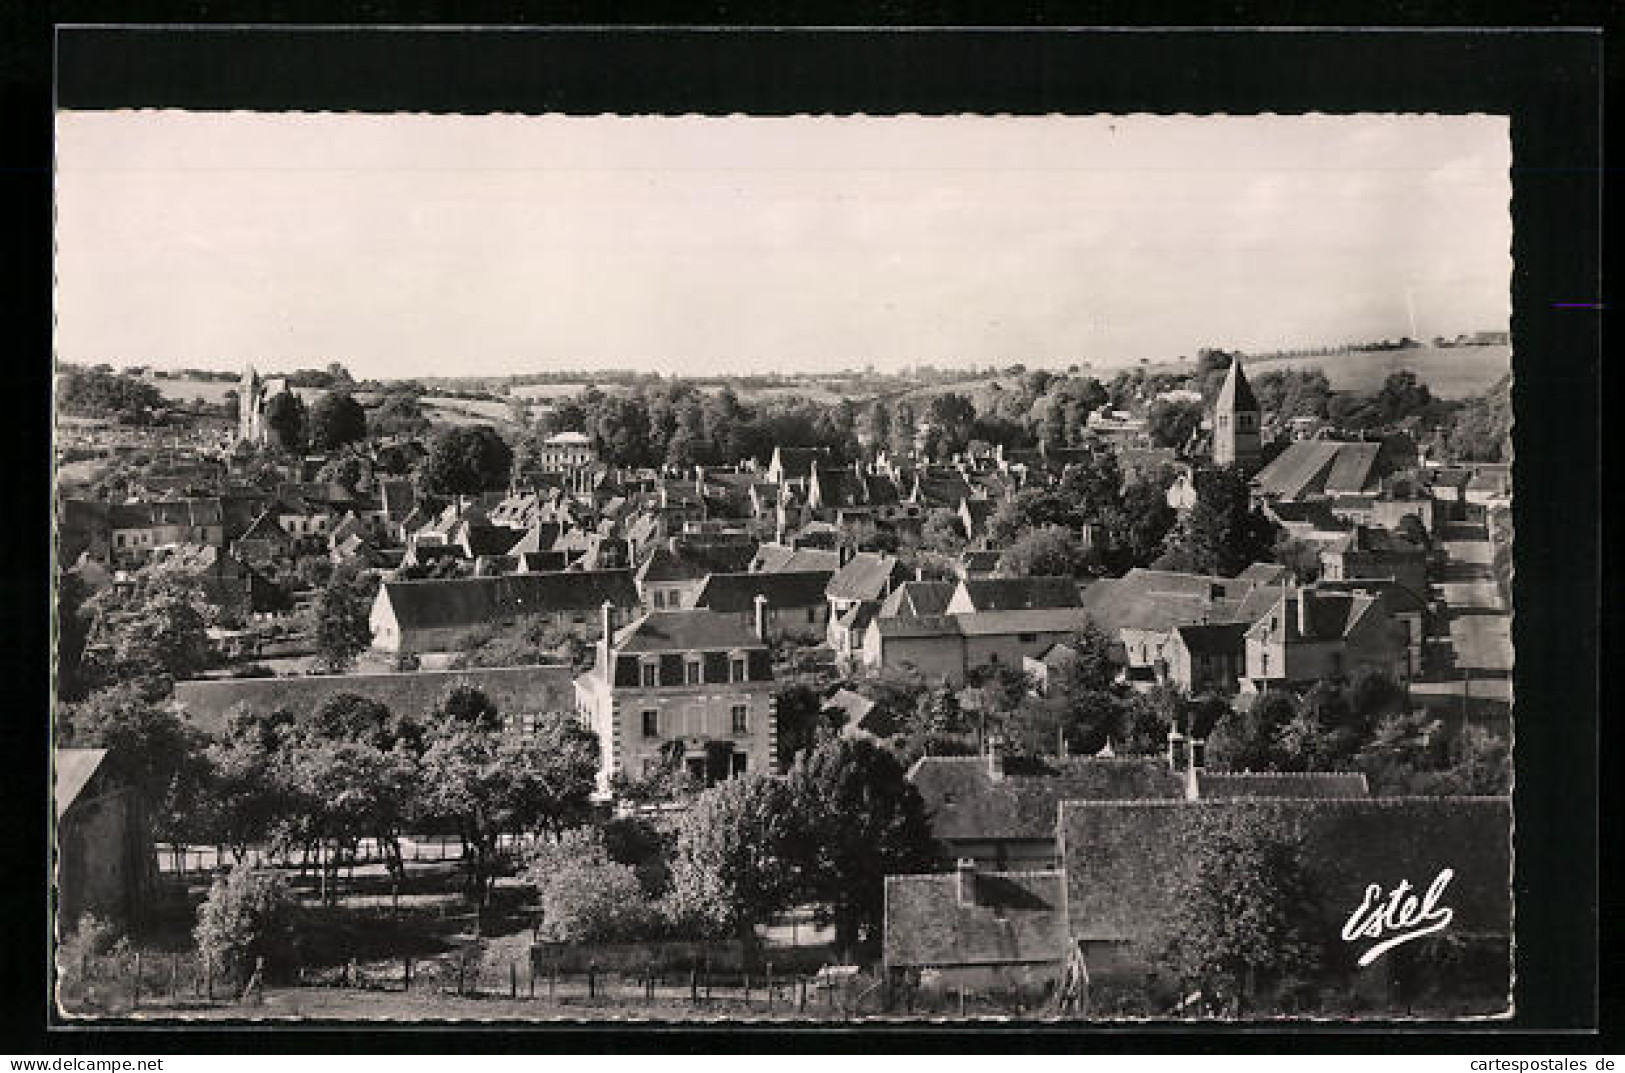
585	896
350	470
647	849
343	790
1223	533
1138	526
1402	395
161	634
1048	552
158	752
336	420
485	783
466	460
285	416
247	915
343	628
1241	913
801	720
860	820
942	532
735	863
244	795
952	414
1172	423
400	414
103	393
1248	740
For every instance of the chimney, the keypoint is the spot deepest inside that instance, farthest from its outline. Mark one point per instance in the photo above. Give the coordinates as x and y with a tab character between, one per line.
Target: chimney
1197	748
607	613
965	871
1305	599
761	617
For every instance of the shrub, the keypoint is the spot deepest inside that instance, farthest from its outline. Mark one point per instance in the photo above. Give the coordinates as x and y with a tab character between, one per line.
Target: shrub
585	896
91	937
247	915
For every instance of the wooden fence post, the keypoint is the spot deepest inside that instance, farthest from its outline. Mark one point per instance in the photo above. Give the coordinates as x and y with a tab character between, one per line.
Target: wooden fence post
747	989
174	978
513	979
407	977
592	979
961	1000
770	985
135	990
552	982
803	1005
462	969
532	975
694	983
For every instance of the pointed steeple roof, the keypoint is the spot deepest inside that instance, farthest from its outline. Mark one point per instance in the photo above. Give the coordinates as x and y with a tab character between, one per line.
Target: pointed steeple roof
1236	394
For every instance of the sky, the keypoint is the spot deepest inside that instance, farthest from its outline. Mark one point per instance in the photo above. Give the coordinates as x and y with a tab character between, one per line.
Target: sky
411	245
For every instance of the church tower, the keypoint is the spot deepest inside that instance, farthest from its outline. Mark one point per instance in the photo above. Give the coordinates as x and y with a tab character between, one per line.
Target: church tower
1236	419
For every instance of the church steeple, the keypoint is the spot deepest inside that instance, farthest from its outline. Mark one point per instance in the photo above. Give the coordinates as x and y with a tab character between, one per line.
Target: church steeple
1236	419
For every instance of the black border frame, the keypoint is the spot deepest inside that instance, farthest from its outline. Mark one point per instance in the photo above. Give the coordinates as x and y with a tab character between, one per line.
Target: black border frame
1549	80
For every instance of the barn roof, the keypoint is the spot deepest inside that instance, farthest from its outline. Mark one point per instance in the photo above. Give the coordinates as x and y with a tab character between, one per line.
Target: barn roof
1014	918
74	770
686	631
447	602
966	804
738	592
1119	855
1019	593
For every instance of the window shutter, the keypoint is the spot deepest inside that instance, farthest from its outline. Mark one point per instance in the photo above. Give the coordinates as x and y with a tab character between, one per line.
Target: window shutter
761	666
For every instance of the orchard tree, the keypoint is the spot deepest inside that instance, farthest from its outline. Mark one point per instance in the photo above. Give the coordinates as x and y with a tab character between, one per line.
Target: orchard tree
336	421
860	820
1249	740
485	783
585	896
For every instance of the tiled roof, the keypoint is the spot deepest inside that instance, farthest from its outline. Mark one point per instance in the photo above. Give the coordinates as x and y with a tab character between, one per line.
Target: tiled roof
918	598
966	804
1213	785
1019	593
783	589
74	770
1265	574
867	576
1119	854
686	631
1217	639
1037	620
1162	599
448	602
1015	918
1398	598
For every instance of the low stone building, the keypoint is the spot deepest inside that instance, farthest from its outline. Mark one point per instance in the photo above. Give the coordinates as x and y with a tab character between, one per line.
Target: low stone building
106	863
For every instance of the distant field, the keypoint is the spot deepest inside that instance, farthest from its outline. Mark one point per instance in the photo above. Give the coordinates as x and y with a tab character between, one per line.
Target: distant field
1450	373
443	410
213	392
547	392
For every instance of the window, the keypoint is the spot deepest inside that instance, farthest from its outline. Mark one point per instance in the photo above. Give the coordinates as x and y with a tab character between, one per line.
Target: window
651	723
741	719
650	675
738	763
691	672
736	669
812	614
1265	658
660	599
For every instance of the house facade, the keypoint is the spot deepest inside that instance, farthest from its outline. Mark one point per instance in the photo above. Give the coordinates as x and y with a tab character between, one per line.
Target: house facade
691	686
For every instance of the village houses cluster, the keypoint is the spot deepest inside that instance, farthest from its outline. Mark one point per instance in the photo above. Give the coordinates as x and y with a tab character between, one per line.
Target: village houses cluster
683	600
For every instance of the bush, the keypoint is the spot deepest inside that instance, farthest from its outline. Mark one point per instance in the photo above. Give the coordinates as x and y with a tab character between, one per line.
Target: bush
247	915
585	896
92	937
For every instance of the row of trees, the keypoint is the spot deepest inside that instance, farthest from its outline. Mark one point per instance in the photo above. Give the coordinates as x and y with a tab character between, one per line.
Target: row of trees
827	833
